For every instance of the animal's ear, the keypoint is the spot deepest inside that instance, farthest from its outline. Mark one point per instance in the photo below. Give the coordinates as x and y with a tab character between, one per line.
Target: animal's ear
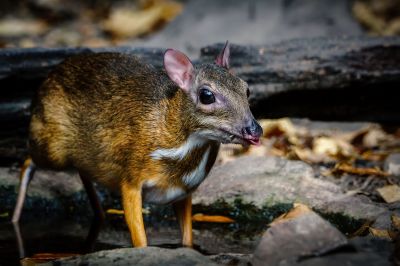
179	68
223	58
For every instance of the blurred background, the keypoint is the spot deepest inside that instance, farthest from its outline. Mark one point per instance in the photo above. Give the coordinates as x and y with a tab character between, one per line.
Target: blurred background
188	24
328	107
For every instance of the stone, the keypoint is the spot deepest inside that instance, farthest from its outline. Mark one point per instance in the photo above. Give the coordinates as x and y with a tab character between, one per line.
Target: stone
392	164
137	256
255	22
232	259
269	181
290	241
361	251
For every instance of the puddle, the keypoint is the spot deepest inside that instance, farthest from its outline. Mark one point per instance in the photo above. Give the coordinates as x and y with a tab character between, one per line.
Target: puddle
68	235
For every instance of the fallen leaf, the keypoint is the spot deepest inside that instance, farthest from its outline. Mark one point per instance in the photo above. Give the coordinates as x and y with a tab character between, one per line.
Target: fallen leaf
199	217
390	193
396	221
257	150
12	27
334	147
125	23
39	258
115	211
297	210
308	156
229	152
382	233
121	212
279	127
374	156
349	169
362	230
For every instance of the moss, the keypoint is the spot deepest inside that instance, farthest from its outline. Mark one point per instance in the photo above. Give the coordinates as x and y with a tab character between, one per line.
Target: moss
250	217
347	225
244	212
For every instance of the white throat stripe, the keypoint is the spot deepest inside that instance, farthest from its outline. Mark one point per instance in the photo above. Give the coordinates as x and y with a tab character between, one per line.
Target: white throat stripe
179	153
197	175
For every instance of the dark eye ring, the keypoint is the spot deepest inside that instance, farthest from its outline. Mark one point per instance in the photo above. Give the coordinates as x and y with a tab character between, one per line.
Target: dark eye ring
248	92
206	96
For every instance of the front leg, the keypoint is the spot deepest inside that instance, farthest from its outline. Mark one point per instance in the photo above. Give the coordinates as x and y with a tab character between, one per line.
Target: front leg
183	211
132	204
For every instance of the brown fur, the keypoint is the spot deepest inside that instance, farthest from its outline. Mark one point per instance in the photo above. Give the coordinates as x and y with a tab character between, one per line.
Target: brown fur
104	114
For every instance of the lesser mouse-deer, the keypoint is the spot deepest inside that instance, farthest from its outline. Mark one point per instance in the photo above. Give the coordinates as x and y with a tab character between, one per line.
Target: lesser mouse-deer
152	134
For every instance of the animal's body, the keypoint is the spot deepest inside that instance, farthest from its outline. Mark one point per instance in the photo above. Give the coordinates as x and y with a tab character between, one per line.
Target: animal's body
153	134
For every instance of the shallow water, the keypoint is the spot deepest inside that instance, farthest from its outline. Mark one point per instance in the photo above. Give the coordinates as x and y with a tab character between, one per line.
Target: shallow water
69	235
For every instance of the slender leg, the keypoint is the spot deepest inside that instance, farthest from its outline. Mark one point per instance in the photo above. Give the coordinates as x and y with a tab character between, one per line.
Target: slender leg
99	215
27	171
20	240
132	203
183	211
93	197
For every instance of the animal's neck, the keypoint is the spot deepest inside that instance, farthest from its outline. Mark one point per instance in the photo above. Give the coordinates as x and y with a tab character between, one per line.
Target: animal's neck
180	119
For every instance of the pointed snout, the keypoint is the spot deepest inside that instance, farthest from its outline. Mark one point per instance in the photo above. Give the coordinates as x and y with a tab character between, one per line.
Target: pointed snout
252	132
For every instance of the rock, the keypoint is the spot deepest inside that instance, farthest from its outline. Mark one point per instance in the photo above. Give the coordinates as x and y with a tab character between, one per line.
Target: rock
137	256
290	241
232	259
265	186
392	164
254	22
362	251
269	181
286	79
50	191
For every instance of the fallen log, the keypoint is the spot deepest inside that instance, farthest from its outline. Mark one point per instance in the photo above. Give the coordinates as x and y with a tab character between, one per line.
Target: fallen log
344	79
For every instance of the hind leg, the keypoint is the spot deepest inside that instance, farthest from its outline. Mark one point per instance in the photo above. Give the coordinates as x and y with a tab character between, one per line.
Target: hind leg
99	215
27	172
92	195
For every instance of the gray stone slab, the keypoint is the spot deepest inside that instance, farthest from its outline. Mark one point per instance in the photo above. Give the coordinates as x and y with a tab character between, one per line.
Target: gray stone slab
150	256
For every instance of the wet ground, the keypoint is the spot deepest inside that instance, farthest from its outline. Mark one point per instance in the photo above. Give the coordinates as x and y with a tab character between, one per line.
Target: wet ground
41	234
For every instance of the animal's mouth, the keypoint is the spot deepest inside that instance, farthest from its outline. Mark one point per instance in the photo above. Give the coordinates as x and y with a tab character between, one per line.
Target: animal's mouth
230	137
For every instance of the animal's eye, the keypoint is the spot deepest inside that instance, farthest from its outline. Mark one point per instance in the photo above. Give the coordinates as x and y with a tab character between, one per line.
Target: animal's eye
248	92
206	96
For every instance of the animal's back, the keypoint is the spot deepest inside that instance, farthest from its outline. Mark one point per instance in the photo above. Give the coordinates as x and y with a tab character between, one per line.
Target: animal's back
83	114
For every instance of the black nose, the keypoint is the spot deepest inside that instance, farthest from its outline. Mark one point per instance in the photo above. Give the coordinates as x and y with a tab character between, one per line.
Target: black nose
254	130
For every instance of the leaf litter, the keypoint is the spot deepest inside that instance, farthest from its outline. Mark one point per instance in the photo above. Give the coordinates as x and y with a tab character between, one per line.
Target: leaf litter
353	158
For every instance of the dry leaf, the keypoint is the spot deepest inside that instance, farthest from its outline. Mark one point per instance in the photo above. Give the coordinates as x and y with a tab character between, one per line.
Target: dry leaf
369	137
308	156
261	150
115	211
229	152
298	210
199	217
361	231
279	127
396	221
121	212
125	23
374	156
39	258
382	233
347	168
19	27
334	147
390	193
